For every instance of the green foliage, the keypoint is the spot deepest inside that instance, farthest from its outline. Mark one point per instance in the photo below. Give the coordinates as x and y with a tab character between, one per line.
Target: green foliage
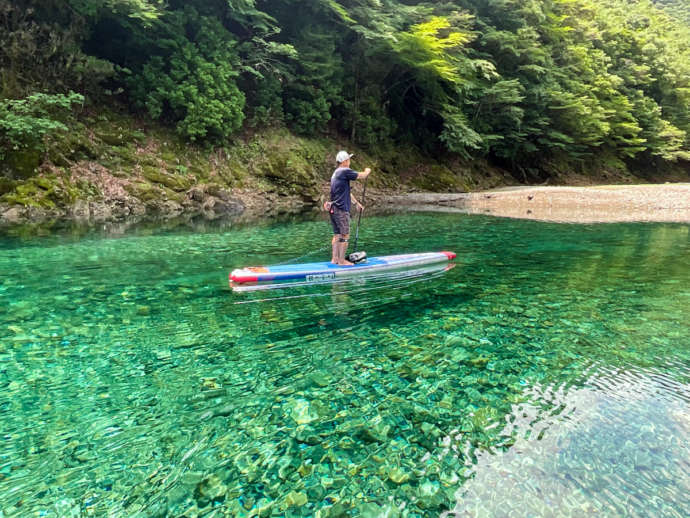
365	119
440	76
524	83
145	10
25	123
432	49
40	50
589	78
315	83
195	85
677	8
265	102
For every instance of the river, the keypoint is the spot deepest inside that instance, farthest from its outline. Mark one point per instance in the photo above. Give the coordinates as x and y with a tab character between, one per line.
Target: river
546	374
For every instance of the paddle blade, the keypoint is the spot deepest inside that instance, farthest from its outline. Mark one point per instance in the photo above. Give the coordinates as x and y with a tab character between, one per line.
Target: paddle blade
357	257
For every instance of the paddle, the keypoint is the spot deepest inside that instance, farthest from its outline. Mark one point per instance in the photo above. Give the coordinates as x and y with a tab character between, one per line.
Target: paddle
356	257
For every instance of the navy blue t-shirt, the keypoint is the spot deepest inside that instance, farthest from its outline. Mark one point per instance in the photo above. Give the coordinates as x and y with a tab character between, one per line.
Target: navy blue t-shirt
340	187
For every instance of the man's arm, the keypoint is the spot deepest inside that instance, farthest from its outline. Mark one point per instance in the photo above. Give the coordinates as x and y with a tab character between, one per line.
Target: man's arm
359	205
363	175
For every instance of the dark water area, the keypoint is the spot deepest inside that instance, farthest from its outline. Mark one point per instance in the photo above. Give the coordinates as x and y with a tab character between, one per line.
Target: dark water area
546	374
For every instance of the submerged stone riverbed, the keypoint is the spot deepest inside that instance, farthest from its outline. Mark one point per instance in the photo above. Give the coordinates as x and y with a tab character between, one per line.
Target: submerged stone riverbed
546	374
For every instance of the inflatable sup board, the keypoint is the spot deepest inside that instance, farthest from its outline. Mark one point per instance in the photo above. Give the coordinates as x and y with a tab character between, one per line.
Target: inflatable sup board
320	272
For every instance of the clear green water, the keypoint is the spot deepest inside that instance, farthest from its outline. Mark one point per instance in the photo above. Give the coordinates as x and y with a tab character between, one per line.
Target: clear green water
547	374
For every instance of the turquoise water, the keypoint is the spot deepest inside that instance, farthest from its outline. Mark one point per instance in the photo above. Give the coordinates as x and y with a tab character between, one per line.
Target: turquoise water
546	374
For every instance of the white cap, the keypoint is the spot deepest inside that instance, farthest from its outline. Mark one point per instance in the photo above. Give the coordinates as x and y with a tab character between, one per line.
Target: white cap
342	156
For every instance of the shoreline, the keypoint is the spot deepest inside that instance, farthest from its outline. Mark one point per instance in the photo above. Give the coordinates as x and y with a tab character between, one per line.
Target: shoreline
661	203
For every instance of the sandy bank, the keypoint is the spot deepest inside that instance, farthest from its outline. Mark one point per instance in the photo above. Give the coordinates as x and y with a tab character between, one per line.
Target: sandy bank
612	203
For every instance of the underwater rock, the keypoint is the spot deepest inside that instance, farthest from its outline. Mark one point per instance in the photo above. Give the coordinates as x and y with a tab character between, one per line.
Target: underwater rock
398	476
287	465
320	378
295	499
192	478
223	411
337	510
301	411
375	431
263	507
371	510
449	479
429	495
211	489
305	468
347	443
396	354
316	492
459	355
339	482
306	435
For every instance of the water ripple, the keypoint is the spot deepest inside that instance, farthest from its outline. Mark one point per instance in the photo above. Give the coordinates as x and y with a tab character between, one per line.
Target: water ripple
547	374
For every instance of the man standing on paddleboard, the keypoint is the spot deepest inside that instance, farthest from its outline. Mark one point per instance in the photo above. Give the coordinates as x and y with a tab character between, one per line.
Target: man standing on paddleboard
339	206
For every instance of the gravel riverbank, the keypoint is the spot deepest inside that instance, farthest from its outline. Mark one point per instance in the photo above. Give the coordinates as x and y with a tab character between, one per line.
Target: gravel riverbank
598	204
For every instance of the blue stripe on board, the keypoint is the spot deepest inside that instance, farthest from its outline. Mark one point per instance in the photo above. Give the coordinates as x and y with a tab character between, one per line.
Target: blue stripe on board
311	267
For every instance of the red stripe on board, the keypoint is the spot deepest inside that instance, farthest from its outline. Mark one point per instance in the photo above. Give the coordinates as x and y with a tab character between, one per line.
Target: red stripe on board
243	278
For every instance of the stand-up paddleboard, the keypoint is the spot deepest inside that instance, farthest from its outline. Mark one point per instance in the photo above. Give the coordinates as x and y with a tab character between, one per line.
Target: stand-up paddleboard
319	272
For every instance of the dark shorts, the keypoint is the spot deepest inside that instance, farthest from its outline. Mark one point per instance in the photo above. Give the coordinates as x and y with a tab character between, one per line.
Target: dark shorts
340	220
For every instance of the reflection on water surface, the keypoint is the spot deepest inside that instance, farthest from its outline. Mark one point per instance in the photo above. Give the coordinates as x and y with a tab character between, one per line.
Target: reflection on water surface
546	374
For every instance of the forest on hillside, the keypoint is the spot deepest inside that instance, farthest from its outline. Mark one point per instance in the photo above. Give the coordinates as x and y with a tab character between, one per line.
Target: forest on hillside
522	83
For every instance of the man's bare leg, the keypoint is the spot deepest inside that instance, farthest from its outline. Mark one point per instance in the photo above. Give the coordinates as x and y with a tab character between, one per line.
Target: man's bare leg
335	245
342	248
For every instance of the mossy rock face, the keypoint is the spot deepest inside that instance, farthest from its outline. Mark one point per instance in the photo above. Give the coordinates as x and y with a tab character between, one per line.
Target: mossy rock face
21	164
85	189
49	192
226	174
145	160
170	157
438	178
137	136
6	185
30	194
173	196
292	173
73	146
217	190
143	191
233	173
299	170
199	171
63	196
114	136
176	183
45	183
273	167
122	157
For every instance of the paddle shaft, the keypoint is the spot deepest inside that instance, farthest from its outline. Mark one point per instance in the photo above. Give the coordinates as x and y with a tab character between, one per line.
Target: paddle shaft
359	218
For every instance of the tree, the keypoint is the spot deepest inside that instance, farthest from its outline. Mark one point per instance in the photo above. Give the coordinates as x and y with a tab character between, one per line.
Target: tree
194	86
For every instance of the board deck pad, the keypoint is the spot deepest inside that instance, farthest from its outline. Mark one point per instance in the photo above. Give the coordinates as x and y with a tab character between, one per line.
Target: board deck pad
324	271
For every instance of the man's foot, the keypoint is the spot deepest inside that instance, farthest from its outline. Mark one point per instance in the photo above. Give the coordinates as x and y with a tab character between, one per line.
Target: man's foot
345	263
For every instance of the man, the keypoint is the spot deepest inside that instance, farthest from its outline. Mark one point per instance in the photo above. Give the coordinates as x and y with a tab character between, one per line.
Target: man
339	206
